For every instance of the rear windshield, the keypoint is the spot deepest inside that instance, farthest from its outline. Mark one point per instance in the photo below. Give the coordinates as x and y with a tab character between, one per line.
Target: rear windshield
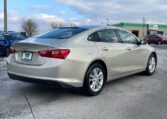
62	33
163	36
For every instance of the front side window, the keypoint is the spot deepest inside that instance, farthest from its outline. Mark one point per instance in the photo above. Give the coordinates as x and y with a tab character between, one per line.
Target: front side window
126	37
62	33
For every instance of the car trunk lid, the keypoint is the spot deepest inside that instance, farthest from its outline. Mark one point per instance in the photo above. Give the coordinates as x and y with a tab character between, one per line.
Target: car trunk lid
27	51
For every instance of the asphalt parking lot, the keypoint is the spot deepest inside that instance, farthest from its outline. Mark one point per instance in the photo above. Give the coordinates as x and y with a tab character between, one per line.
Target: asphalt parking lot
134	97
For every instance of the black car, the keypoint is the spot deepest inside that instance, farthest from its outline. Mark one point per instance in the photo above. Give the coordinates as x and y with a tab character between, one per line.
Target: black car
13	38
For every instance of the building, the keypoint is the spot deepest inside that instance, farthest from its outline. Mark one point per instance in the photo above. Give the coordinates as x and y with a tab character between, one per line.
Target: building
141	30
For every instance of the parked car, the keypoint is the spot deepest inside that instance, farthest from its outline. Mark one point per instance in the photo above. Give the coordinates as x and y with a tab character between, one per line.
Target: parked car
86	57
156	39
4	46
13	38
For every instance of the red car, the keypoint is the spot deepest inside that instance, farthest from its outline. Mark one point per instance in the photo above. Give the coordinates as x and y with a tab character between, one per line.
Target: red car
156	39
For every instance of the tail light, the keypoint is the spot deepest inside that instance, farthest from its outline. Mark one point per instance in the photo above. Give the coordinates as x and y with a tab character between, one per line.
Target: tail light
56	53
12	50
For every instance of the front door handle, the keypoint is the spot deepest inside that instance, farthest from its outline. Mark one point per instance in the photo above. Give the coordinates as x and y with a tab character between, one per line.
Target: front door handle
105	49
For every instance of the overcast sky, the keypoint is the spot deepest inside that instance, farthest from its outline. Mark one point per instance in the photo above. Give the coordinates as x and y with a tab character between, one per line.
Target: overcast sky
83	12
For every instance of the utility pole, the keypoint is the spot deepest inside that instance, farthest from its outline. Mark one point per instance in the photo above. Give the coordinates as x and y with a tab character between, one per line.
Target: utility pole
144	20
107	21
5	17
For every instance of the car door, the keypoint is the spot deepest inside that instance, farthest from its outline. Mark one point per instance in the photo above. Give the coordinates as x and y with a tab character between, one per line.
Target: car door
135	55
108	45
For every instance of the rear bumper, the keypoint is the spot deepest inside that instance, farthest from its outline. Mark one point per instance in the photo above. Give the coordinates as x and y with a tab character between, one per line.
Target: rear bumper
34	80
63	72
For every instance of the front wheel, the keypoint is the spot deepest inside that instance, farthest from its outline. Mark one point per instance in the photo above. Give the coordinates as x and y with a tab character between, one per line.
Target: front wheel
151	65
94	79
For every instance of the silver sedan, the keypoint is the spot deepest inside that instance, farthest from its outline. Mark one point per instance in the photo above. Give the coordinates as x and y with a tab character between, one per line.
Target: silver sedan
86	57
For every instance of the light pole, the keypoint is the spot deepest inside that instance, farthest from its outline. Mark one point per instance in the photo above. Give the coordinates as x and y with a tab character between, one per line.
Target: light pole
107	21
144	21
5	17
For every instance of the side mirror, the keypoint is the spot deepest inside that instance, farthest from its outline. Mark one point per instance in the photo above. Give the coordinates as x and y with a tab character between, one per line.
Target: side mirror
141	42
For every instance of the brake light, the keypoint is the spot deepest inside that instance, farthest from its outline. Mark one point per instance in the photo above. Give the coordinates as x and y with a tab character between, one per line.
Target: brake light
56	53
12	50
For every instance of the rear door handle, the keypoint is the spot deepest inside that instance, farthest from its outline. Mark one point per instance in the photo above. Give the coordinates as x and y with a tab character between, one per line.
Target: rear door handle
105	49
128	49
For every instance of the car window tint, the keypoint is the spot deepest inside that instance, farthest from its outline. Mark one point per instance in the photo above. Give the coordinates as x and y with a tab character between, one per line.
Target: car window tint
94	37
10	37
108	35
1	38
22	37
127	37
62	33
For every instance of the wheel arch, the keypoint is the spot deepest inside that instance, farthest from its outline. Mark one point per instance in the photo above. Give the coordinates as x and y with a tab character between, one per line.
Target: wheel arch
100	62
155	54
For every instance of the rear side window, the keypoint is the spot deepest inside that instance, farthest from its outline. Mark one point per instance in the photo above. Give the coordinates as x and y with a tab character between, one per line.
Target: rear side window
62	33
107	35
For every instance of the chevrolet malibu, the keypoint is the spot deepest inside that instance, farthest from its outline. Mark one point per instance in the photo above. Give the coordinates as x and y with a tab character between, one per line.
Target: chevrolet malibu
86	57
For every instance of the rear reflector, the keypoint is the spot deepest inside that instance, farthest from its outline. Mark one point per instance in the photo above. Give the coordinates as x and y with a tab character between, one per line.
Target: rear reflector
12	50
56	53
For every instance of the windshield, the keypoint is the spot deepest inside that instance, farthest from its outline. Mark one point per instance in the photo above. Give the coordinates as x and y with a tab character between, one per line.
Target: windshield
1	37
163	36
62	33
9	37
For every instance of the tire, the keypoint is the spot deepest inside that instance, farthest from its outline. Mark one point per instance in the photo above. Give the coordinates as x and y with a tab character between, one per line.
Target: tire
93	86
151	65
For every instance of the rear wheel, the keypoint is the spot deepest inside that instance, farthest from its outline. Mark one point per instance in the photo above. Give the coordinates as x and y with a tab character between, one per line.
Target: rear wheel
151	65
94	79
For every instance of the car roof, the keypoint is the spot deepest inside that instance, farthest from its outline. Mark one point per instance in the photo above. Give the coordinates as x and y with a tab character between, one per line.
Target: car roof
91	27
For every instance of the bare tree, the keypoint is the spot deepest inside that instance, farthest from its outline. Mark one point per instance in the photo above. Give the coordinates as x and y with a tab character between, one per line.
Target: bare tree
54	25
30	27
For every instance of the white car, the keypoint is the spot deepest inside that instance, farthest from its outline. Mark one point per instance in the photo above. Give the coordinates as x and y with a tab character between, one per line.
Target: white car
85	57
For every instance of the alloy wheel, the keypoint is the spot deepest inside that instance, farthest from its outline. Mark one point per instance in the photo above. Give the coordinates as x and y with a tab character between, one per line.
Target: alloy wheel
96	79
152	64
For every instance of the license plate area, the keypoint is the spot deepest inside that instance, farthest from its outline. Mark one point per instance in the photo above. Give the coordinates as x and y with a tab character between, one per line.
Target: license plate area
27	56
